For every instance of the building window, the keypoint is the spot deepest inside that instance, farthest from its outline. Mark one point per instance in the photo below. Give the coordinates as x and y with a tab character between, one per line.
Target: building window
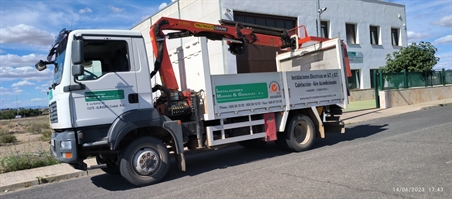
350	31
353	81
372	85
374	35
395	36
324	29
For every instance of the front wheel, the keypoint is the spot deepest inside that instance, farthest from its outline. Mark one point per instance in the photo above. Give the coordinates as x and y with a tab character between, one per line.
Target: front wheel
145	161
299	134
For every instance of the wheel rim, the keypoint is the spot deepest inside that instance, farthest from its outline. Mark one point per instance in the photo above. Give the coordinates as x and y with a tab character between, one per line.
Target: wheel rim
146	161
300	132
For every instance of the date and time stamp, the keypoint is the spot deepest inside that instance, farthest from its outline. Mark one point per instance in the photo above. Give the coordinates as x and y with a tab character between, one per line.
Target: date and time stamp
418	189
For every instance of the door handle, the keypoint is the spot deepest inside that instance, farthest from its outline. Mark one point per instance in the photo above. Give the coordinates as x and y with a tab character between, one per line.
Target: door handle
133	98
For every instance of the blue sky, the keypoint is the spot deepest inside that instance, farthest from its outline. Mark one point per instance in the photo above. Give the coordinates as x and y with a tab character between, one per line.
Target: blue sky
28	28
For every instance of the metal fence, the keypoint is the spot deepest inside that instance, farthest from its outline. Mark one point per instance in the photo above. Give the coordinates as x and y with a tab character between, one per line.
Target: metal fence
412	79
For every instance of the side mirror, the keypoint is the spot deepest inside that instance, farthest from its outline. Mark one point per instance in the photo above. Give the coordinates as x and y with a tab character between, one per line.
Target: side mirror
77	52
77	70
41	65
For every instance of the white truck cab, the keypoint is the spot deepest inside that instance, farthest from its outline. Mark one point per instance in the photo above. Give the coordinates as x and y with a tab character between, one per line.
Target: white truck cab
100	78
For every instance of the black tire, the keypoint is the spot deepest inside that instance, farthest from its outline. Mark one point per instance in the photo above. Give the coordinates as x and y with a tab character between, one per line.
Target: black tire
144	161
281	141
299	134
252	144
111	168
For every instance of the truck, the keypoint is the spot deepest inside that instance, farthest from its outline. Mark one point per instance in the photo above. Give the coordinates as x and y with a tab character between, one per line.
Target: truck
104	104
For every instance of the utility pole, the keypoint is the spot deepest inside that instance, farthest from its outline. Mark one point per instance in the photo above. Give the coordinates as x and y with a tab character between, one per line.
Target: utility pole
319	12
17	110
318	18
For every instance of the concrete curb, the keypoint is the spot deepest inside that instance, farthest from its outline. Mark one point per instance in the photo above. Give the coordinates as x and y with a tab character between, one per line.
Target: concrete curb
39	180
436	106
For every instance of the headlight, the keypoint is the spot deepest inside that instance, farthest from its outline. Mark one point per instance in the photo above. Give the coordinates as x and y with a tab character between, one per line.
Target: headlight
65	145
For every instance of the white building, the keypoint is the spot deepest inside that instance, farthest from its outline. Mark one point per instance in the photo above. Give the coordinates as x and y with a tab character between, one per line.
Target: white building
371	28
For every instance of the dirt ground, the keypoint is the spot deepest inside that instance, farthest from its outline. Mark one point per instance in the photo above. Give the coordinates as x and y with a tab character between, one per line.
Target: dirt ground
27	142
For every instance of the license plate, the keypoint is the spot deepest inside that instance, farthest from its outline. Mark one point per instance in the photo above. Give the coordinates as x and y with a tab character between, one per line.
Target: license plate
52	142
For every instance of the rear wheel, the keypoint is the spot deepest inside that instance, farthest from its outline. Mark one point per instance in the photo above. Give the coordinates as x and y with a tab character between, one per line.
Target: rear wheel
145	161
299	134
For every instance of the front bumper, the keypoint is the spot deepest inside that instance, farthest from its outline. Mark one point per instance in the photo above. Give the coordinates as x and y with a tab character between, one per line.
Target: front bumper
64	146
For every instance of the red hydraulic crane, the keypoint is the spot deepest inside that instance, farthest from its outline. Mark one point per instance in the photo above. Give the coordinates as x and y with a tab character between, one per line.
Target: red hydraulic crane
236	33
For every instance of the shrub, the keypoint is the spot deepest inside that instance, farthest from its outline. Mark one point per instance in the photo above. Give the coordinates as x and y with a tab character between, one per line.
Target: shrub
46	135
7	138
27	161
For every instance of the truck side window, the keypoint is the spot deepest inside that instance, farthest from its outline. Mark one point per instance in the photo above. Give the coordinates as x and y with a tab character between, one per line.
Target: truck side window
104	56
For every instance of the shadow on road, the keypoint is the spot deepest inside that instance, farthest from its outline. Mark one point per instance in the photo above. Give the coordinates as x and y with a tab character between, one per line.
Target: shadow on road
202	162
111	182
197	163
350	134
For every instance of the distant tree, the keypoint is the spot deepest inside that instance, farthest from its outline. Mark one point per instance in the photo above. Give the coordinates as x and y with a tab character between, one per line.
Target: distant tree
7	114
415	58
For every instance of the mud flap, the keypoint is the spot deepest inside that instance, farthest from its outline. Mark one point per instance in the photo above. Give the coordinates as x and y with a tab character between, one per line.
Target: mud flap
334	127
270	127
175	129
180	160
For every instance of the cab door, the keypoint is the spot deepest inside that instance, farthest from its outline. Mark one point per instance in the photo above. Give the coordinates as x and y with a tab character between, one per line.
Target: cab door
109	79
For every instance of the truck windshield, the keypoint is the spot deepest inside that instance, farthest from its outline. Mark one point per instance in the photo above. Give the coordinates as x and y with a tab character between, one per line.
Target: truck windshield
59	63
58	51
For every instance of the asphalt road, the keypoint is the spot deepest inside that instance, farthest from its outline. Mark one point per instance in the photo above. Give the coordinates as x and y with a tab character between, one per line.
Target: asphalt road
405	156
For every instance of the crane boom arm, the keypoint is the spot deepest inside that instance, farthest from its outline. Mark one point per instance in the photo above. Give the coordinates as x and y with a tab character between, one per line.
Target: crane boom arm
237	35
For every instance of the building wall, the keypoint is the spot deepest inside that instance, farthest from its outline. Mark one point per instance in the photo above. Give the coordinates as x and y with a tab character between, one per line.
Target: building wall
363	13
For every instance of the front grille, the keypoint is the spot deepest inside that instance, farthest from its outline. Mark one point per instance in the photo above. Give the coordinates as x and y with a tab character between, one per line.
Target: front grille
53	112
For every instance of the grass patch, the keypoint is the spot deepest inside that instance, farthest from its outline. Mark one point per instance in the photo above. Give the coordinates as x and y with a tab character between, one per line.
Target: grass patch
3	131
11	125
26	161
7	139
46	135
37	128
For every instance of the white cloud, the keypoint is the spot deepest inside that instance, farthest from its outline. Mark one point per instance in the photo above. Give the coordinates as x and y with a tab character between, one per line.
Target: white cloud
25	34
10	60
8	92
38	99
17	90
43	87
25	73
416	36
444	40
445	21
116	9
85	10
163	5
22	83
445	61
